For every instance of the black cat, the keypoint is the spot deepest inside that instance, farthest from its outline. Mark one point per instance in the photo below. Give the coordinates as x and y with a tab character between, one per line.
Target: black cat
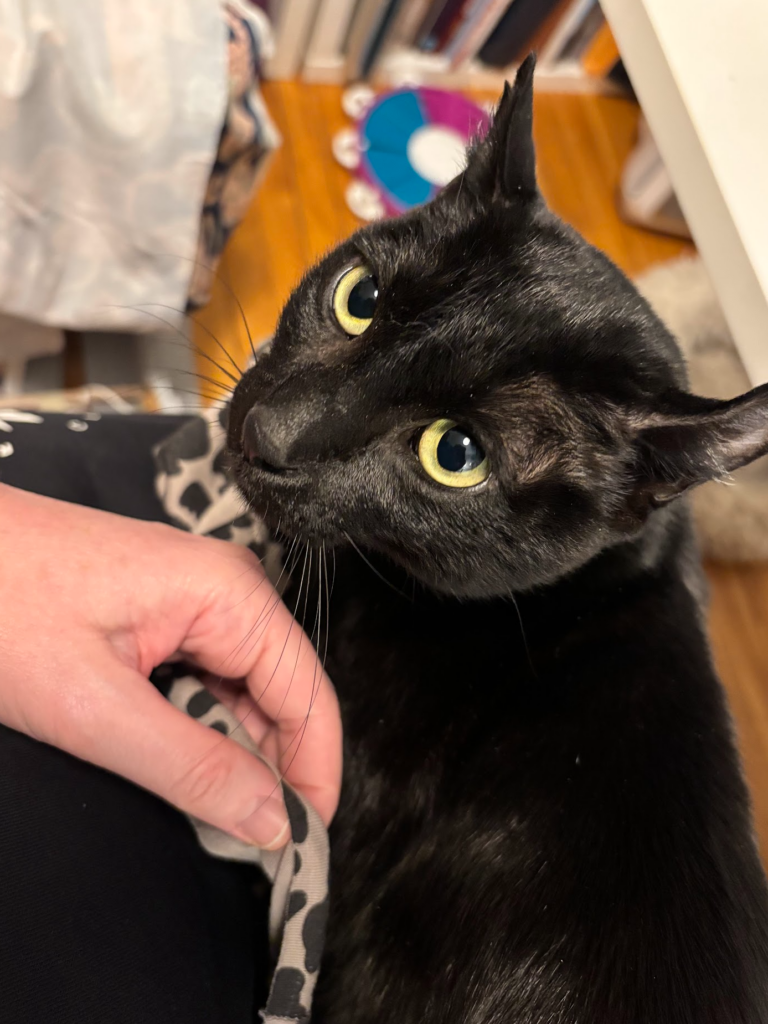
543	818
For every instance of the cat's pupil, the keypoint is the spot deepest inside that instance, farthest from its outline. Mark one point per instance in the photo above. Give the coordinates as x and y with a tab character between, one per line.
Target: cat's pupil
362	299
457	452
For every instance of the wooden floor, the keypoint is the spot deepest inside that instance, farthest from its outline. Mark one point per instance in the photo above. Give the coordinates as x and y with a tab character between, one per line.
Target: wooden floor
582	142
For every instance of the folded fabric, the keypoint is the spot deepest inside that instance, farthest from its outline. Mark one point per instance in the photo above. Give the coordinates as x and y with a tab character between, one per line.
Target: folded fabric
248	138
298	910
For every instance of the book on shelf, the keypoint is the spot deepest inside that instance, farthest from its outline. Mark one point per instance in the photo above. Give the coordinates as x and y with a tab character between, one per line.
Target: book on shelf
450	42
366	34
379	38
582	33
407	22
474	30
512	38
547	27
572	17
428	22
401	30
446	25
325	59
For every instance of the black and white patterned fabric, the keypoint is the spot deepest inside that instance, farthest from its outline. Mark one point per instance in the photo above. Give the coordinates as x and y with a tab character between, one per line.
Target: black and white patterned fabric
298	872
197	495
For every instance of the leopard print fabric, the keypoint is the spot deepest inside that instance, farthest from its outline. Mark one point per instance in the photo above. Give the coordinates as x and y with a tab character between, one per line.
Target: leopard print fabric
192	484
298	872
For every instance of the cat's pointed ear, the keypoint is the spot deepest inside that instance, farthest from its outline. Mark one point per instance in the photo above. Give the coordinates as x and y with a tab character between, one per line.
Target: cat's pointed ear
695	440
503	164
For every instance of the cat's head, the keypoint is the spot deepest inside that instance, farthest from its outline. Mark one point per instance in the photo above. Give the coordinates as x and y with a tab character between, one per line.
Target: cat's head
476	392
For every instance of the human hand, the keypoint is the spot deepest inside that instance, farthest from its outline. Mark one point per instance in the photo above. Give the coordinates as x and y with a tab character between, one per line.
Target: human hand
91	602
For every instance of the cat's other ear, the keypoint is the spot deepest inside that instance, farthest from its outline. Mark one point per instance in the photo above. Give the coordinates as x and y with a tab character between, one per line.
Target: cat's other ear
694	440
503	164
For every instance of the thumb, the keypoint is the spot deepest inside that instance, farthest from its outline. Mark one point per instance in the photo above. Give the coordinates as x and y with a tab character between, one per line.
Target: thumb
134	731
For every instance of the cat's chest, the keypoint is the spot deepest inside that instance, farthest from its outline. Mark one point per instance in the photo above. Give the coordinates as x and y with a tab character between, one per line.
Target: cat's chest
404	674
447	705
434	699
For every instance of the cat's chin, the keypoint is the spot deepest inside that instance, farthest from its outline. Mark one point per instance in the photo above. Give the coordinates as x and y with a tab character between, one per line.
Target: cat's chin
289	515
283	501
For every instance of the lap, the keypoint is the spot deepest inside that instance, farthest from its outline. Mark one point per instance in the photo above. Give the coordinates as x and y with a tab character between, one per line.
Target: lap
110	912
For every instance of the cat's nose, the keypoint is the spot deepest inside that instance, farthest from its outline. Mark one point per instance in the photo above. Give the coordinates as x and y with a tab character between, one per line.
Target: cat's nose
265	443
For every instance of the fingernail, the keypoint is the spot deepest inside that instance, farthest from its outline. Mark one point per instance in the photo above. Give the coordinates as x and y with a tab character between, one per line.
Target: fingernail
267	826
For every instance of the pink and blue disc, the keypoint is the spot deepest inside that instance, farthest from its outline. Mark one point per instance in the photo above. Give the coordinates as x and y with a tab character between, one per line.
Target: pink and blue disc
413	142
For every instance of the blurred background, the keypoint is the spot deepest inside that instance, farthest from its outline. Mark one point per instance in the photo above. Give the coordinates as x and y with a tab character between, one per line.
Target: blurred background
167	173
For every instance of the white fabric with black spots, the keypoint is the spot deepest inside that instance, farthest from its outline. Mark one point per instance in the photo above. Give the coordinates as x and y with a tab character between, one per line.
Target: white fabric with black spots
298	872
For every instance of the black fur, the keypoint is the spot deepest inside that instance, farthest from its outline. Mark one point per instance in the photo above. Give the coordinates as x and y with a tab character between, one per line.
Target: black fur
543	818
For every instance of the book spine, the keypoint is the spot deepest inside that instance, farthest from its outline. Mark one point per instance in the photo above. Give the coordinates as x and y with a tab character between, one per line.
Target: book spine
430	42
402	31
409	19
428	22
476	30
568	24
365	23
512	35
540	38
457	23
379	35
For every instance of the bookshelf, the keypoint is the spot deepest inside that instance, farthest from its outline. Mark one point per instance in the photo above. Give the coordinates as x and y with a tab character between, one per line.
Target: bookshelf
465	44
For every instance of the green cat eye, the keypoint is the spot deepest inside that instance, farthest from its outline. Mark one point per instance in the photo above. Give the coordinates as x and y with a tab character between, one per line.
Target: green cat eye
354	299
452	456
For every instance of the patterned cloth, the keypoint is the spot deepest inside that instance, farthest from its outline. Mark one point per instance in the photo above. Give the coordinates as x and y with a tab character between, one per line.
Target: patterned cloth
247	140
197	495
299	872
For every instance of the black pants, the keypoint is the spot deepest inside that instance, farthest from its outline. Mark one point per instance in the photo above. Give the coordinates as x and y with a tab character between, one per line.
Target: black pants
110	913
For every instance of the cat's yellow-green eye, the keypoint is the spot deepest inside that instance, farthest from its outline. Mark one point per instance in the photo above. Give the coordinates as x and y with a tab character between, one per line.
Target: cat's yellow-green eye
355	298
451	456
